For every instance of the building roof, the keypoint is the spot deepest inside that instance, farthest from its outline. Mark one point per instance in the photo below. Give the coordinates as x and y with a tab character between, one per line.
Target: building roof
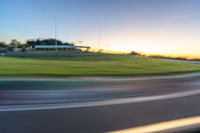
54	46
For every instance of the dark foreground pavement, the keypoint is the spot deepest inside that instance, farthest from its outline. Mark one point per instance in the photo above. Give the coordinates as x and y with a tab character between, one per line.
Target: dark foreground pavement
97	118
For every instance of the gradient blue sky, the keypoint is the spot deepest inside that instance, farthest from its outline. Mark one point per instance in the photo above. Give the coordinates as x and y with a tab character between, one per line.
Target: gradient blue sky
169	27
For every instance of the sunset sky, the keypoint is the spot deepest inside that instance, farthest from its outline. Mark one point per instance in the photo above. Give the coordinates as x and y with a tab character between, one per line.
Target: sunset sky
169	27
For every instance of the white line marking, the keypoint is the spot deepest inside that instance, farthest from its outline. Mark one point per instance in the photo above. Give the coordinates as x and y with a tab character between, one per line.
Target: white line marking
97	103
180	125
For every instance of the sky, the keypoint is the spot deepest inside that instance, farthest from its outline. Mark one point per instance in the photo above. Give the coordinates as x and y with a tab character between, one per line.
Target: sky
166	27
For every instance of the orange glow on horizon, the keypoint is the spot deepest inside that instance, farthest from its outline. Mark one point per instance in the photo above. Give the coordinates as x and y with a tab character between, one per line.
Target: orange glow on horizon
172	55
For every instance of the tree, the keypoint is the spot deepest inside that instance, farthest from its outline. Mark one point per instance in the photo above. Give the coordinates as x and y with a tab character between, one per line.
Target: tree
49	41
67	43
3	45
14	43
134	53
30	43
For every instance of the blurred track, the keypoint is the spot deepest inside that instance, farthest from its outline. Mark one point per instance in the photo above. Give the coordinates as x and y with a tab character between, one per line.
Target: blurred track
14	91
32	92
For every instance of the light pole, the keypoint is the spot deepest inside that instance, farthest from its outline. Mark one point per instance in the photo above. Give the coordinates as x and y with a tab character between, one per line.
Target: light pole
99	41
56	43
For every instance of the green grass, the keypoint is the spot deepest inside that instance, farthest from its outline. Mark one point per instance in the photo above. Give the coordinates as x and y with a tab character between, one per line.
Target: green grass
101	65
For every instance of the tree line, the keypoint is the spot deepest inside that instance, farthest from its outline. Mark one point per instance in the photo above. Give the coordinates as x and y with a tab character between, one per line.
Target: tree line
32	42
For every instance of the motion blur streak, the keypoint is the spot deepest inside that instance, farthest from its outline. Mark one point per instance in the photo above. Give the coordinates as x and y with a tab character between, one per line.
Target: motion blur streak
97	103
164	126
34	94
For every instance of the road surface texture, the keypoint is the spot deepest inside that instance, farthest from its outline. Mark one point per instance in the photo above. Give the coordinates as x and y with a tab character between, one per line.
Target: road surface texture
95	104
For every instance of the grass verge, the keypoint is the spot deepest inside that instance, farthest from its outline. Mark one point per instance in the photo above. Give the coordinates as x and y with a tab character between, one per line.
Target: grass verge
100	65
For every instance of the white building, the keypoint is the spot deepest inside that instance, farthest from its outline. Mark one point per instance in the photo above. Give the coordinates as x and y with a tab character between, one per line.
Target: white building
55	47
59	47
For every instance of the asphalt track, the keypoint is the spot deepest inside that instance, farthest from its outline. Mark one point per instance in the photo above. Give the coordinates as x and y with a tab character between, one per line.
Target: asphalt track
95	104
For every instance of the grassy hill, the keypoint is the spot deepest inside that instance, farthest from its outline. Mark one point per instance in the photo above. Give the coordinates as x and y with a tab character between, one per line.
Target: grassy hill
100	65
